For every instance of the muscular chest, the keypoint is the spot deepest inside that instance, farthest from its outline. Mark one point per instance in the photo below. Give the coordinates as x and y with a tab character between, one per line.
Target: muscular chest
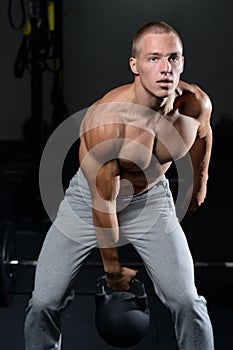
175	137
136	152
166	141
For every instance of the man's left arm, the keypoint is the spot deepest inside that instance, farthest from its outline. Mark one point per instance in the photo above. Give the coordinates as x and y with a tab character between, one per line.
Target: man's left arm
200	154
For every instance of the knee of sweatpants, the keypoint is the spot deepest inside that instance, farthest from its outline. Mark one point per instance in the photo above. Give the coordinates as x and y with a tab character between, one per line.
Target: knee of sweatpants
188	304
49	303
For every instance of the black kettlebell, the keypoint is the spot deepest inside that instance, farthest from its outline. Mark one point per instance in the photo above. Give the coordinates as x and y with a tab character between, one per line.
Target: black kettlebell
122	318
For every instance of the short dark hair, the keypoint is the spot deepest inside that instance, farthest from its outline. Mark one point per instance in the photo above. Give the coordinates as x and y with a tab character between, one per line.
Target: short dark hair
152	27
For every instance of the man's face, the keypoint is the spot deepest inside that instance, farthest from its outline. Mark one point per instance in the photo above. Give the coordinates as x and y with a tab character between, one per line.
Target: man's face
159	64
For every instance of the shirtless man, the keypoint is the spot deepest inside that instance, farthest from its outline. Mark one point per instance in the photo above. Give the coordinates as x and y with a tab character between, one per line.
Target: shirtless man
129	138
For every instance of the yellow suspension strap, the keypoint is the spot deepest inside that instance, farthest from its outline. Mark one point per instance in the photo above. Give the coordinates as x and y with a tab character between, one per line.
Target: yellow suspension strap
22	56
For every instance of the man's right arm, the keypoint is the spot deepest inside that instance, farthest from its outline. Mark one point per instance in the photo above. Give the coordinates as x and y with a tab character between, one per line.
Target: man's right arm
98	149
107	228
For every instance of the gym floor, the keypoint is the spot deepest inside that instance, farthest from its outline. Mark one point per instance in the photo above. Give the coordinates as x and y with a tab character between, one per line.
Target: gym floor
78	325
79	329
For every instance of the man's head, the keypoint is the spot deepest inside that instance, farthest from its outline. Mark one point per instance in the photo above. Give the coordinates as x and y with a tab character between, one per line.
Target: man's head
157	60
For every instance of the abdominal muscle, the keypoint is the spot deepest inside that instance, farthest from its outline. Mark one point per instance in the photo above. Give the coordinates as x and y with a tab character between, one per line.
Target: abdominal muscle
134	182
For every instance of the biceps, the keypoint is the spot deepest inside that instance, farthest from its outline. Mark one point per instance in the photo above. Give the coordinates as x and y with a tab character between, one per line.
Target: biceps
102	175
104	184
108	181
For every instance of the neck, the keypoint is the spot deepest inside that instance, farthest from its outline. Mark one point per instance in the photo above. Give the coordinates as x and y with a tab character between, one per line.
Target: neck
142	97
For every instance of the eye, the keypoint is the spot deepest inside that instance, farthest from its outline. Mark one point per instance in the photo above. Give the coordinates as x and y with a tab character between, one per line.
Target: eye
174	59
153	59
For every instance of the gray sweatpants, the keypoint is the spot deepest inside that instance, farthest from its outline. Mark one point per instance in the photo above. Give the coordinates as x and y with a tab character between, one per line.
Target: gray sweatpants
149	222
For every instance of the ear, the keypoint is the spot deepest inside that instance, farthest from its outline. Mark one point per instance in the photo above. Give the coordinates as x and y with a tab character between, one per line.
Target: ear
133	65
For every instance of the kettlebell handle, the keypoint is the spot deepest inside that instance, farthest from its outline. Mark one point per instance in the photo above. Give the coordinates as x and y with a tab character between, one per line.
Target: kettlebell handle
137	291
138	284
101	285
134	284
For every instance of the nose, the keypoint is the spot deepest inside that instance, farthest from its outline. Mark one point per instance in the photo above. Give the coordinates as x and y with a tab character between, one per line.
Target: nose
165	66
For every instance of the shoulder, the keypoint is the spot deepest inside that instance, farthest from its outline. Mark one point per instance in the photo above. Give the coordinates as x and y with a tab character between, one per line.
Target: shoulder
107	116
191	100
102	132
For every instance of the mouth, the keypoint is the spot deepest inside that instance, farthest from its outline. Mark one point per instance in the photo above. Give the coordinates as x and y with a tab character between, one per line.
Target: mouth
164	83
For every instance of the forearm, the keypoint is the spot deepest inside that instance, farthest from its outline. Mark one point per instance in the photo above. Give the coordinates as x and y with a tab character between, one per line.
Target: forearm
107	233
111	262
200	155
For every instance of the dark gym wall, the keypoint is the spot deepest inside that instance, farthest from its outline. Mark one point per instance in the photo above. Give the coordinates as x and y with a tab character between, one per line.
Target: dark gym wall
97	40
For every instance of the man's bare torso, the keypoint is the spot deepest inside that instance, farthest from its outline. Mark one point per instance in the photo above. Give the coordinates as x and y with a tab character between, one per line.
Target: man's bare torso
143	141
